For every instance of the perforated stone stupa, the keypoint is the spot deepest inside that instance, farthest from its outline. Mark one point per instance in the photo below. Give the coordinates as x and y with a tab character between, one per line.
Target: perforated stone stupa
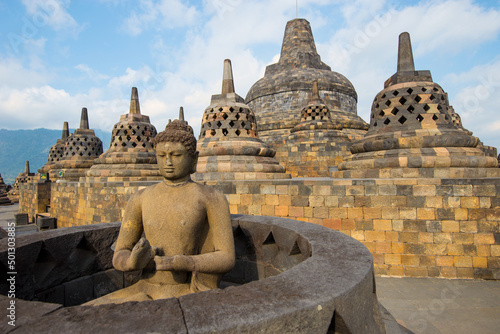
4	200
412	132
24	177
56	152
131	155
229	146
316	142
278	98
80	150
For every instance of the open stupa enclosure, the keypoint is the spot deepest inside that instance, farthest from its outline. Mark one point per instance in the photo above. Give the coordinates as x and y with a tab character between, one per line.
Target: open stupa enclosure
413	185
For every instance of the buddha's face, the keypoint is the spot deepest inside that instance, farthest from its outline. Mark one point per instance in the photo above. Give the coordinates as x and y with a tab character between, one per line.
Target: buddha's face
174	161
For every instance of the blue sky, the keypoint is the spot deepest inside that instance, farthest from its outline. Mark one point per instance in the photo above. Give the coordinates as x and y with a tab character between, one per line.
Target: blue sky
57	56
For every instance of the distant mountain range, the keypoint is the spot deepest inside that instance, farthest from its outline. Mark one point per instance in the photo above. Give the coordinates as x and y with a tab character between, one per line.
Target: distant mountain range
17	146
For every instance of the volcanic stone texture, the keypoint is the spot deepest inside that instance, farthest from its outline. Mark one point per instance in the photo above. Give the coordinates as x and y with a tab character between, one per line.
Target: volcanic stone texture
318	281
229	146
131	155
278	98
412	128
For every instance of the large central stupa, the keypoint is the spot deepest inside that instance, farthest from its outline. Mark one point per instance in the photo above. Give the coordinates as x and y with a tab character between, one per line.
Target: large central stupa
278	98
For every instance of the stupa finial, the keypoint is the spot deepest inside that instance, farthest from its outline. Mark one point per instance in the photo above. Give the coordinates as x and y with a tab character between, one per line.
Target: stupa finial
315	91
84	119
65	131
227	78
134	102
405	54
181	114
27	167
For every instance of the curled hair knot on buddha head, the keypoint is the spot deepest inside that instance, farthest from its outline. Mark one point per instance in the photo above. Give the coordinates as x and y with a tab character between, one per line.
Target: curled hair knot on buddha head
178	131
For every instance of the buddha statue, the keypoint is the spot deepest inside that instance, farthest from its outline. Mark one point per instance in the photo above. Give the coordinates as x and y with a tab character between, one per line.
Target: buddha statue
177	231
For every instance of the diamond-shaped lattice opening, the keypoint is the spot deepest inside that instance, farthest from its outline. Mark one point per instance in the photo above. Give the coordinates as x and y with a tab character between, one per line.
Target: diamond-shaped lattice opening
383	96
435	117
219	124
394	111
130	127
377	105
225	116
213	116
231	109
446	118
375	124
395	93
133	132
44	264
225	132
410	109
439	107
432	97
420	118
402	120
212	133
418	99
220	109
134	144
388	103
128	138
237	116
424	89
81	154
121	126
243	124
83	256
402	100
124	144
269	239
237	132
435	89
387	121
409	90
143	133
139	138
426	107
231	124
381	113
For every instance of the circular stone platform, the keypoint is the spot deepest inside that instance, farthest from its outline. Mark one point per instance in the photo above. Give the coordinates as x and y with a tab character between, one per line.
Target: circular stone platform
298	278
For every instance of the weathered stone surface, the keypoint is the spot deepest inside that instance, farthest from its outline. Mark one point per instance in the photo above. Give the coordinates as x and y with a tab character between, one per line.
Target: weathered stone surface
332	290
229	145
411	128
163	316
131	154
25	312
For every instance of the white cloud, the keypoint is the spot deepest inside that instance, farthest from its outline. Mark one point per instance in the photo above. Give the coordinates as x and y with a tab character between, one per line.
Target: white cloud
477	102
166	13
91	73
14	75
52	13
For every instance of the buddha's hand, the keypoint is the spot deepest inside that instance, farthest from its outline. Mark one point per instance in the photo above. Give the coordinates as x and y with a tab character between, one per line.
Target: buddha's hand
176	262
141	254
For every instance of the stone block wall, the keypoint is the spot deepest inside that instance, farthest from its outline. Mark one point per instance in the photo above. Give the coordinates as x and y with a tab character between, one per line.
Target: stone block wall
446	228
76	204
416	227
34	198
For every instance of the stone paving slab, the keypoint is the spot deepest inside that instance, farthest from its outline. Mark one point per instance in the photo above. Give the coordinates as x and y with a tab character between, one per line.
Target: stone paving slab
442	306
